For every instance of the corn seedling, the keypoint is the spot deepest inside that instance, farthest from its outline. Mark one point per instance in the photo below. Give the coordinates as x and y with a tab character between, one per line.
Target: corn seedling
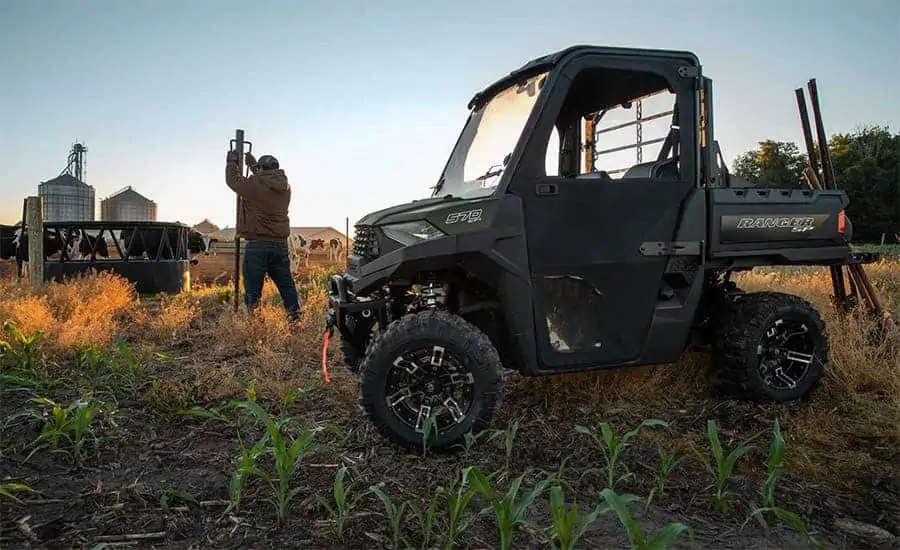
216	413
7	491
660	541
509	510
427	517
6	350
792	519
613	446
395	516
429	432
558	477
287	401
71	424
171	497
775	466
22	379
458	498
127	366
288	457
24	350
341	504
668	461
509	439
470	440
90	360
246	467
567	525
724	464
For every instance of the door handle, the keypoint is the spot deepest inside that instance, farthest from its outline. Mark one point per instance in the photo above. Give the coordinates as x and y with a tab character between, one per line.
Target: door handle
543	189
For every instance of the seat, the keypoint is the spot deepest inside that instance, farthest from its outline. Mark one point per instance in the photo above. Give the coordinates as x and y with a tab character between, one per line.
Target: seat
657	170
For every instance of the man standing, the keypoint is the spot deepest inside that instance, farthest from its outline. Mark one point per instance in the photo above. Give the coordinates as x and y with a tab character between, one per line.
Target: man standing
263	222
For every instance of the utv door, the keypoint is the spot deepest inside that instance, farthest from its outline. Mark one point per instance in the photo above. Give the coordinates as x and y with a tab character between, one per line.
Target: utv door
591	236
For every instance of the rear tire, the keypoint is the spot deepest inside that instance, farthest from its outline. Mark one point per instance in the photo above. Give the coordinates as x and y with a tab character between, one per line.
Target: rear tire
431	362
772	347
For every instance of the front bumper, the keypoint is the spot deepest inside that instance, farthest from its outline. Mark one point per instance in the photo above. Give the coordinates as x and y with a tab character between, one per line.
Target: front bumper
346	310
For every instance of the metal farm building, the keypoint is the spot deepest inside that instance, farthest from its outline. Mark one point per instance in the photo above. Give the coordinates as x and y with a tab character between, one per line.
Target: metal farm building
65	198
127	205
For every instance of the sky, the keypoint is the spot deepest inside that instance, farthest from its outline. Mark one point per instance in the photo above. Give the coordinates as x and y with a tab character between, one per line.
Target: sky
362	101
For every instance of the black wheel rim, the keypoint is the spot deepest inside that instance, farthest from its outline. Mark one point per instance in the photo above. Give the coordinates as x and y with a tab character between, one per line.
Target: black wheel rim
429	383
786	354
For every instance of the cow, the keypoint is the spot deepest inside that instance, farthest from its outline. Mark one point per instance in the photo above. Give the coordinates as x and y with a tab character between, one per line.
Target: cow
316	244
76	243
8	241
140	241
14	244
86	244
297	246
334	250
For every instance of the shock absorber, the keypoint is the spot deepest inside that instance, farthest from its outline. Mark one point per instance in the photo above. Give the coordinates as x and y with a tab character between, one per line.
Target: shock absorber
433	296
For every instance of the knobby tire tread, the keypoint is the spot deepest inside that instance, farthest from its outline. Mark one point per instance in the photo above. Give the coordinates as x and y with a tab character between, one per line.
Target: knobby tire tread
741	328
480	355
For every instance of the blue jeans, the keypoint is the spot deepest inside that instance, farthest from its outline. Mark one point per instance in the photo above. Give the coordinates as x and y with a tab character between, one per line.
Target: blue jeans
260	258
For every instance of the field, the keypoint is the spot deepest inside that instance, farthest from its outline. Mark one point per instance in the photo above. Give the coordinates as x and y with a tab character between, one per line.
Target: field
173	422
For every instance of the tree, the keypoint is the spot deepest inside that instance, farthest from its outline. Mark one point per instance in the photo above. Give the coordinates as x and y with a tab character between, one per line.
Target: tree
866	165
777	164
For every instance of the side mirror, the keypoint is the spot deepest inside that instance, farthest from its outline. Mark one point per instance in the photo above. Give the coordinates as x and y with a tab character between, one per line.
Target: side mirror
506	159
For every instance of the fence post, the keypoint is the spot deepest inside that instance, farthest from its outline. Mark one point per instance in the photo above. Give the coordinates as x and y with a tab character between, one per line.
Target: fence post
34	227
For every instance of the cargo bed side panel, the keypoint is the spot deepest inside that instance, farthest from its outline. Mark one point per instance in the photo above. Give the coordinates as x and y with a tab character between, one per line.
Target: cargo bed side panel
777	226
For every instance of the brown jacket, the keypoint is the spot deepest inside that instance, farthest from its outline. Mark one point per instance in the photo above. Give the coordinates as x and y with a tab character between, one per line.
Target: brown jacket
265	197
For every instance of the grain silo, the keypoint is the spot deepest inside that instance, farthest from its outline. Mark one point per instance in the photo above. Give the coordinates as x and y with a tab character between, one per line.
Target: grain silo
66	198
127	205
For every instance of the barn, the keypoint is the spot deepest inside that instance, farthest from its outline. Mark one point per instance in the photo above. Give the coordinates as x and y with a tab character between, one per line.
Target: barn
206	227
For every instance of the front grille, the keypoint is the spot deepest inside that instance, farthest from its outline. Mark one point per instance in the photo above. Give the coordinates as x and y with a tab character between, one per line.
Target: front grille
365	242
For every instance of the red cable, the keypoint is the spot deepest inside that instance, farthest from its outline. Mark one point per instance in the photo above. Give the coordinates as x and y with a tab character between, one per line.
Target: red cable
325	357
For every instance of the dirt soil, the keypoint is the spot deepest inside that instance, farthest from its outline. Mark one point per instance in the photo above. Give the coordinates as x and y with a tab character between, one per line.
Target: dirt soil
161	479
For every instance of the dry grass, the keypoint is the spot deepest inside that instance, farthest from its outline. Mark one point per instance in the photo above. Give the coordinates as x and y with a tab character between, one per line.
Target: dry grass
89	310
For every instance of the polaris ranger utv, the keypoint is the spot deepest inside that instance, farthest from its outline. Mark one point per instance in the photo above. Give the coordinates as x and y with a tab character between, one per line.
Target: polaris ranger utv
511	263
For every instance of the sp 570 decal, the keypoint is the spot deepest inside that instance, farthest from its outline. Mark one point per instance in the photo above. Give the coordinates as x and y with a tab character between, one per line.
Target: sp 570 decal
464	216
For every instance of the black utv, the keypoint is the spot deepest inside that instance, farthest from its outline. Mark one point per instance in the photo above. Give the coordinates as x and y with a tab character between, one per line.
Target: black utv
548	268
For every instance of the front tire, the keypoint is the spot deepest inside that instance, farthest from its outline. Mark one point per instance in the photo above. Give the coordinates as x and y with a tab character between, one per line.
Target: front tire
430	364
772	347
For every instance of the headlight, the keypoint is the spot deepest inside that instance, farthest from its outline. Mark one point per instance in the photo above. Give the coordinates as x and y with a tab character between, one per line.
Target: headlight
410	233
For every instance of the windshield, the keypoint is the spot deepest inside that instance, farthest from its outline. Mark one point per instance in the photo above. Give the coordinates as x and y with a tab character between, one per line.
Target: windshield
488	140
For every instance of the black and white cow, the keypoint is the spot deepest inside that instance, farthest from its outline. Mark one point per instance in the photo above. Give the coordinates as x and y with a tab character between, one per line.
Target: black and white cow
141	241
76	243
8	234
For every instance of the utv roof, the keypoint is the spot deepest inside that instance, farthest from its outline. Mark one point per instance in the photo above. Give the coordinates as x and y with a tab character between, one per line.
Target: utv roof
552	59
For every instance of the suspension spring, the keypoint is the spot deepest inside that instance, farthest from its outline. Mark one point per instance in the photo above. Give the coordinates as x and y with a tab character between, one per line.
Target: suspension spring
433	295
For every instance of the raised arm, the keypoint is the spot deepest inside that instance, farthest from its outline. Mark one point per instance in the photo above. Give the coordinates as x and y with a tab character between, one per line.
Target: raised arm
233	177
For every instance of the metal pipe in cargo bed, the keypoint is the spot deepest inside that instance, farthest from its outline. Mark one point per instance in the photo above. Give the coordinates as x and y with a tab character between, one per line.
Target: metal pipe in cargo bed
824	153
838	284
807	132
